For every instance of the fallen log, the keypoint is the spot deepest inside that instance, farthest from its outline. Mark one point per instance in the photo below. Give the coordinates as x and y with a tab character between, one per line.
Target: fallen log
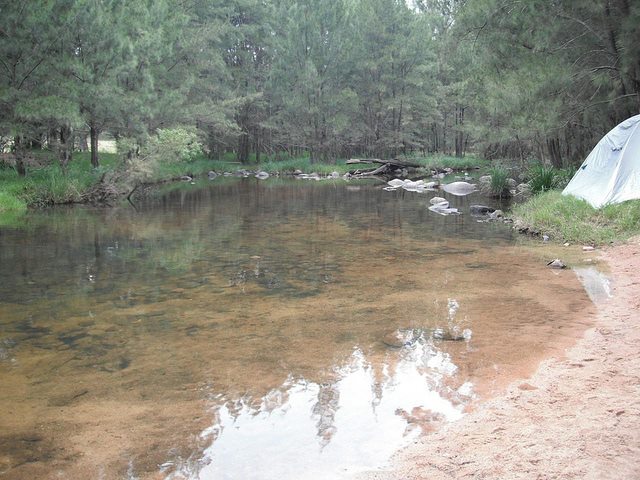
381	170
394	161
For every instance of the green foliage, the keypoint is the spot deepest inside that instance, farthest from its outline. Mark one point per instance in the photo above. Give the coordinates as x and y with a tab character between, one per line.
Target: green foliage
303	164
564	176
165	152
174	145
49	184
499	186
329	80
574	220
10	202
542	178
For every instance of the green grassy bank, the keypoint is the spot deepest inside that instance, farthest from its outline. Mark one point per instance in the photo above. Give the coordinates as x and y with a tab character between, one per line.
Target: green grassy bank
568	219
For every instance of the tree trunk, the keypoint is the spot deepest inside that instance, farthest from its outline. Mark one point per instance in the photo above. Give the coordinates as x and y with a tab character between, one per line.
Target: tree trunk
459	135
65	146
553	145
93	133
243	147
19	152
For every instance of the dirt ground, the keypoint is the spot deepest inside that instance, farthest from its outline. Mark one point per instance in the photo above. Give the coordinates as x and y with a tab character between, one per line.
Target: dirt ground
577	417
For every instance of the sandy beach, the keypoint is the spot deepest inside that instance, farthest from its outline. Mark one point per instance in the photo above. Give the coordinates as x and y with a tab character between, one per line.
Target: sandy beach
576	417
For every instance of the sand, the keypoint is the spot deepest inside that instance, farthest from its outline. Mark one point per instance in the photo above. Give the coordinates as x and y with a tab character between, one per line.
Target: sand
576	417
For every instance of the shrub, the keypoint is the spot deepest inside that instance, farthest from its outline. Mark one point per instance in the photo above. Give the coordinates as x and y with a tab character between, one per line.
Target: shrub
172	145
166	149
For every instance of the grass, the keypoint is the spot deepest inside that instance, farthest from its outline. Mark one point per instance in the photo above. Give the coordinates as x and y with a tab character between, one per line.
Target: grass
499	186
574	220
48	184
304	165
11	202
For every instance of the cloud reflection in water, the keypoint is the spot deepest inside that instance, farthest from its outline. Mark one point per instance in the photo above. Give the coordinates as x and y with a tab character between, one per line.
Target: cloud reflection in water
312	431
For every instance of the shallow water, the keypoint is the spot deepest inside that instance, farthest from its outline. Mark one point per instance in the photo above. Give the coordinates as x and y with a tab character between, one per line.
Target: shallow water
260	330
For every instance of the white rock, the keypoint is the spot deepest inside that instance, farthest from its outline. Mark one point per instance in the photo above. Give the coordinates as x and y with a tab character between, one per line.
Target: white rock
459	188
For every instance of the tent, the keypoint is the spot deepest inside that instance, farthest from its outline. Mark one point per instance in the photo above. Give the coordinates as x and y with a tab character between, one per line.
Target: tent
611	172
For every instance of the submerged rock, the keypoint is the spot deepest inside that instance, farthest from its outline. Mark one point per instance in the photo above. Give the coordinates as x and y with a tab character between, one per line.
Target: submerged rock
402	337
451	335
443	208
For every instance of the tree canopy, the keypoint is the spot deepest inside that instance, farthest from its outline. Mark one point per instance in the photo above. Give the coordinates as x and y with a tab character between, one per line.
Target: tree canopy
324	78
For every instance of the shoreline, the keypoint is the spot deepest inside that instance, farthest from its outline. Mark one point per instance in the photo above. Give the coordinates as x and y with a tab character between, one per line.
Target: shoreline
576	417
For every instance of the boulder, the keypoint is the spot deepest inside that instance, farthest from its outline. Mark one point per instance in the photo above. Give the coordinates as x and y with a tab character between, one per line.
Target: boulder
436	200
523	189
481	210
408	185
459	188
495	215
262	175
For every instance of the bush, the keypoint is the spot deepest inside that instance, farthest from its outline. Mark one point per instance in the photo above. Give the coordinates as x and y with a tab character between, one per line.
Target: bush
166	149
173	145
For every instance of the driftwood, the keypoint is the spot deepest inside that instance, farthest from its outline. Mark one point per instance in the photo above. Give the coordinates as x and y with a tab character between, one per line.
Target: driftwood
387	167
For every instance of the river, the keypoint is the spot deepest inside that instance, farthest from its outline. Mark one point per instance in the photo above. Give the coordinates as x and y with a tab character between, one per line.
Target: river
260	329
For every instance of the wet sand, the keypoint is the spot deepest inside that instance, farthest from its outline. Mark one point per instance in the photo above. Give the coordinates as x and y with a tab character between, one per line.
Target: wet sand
576	417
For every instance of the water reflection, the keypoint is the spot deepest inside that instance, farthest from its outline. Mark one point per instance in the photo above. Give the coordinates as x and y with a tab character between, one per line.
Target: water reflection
330	430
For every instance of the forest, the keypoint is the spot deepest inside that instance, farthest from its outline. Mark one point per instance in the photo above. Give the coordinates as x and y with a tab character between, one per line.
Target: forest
327	79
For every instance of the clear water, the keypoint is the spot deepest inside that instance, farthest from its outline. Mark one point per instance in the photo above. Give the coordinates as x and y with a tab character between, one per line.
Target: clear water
268	330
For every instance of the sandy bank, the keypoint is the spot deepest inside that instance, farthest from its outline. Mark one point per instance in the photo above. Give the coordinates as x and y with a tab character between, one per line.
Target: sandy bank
577	417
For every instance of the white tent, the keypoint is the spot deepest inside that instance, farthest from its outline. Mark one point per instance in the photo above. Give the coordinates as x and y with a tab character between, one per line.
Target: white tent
611	172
